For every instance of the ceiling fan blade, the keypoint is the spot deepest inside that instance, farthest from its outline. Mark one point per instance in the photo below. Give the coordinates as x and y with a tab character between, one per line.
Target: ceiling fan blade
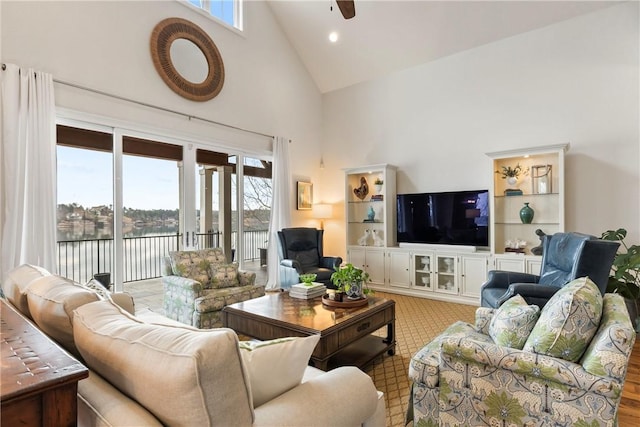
347	7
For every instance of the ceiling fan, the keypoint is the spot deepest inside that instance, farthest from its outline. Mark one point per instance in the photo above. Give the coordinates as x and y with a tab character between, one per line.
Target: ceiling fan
347	7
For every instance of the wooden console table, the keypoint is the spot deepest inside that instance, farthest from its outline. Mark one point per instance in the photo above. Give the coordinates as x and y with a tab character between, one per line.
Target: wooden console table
39	381
346	335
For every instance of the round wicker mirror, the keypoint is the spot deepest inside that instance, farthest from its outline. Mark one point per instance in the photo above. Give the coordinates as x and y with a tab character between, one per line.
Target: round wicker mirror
163	36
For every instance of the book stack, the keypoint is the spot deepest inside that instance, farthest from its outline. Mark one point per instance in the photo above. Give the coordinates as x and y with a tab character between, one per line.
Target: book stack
303	291
377	198
512	192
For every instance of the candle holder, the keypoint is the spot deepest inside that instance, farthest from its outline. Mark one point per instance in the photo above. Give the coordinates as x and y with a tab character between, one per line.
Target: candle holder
541	179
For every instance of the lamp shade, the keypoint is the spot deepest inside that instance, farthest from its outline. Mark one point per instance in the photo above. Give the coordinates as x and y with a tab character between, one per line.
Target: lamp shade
322	211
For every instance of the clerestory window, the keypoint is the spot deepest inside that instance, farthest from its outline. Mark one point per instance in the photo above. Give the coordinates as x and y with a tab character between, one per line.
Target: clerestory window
229	11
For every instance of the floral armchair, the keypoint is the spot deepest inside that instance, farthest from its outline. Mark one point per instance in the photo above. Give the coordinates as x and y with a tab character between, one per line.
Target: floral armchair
569	372
199	284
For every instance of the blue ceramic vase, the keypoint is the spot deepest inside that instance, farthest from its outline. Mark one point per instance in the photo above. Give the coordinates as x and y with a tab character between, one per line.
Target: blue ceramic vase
526	214
355	290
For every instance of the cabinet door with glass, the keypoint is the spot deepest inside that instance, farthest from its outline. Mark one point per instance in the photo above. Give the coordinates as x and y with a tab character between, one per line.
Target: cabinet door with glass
424	271
446	274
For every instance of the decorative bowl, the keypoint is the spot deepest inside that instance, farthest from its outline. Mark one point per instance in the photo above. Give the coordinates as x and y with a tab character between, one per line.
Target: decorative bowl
308	278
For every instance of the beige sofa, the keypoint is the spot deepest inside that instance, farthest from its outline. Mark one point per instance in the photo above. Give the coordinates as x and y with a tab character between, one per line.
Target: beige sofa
148	370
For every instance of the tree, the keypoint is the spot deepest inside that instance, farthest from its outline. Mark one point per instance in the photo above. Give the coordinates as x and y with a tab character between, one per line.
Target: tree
257	193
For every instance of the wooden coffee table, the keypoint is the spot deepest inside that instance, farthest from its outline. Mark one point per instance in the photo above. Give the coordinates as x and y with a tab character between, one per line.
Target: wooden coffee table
345	334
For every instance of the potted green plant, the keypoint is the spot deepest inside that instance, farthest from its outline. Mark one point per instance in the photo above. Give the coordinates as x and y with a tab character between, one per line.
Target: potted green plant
351	280
308	278
512	174
378	184
625	277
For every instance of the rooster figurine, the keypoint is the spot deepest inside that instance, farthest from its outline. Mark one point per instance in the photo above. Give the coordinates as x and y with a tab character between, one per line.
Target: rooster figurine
362	191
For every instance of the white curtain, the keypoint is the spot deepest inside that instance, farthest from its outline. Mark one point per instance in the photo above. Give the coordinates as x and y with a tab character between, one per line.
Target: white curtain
281	207
28	170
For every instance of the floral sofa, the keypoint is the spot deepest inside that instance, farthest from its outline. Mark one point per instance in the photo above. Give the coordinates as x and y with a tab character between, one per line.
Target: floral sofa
562	366
199	284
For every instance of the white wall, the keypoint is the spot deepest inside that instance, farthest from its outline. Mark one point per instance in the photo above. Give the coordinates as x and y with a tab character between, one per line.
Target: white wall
105	46
575	81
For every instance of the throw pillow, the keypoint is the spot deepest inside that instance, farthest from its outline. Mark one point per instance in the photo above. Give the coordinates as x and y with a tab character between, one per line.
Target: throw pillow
224	276
123	299
276	366
512	322
568	321
191	265
213	255
98	288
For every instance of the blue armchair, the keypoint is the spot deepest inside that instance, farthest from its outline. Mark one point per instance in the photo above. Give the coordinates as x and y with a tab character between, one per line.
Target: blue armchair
301	252
565	256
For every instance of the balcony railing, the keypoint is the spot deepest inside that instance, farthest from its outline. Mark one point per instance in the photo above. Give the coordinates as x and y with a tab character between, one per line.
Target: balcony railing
143	256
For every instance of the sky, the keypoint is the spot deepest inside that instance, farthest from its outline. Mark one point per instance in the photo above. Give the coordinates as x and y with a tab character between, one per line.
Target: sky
86	176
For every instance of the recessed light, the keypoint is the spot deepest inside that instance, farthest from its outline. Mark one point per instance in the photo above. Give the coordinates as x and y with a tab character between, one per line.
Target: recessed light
333	37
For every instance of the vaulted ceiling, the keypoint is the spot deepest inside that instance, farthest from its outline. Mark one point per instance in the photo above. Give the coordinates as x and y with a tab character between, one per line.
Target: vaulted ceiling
387	36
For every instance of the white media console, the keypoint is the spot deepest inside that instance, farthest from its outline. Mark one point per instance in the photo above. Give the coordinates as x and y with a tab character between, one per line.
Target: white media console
452	272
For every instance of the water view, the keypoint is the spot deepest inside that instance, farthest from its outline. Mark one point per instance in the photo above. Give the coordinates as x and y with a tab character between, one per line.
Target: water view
86	245
151	230
88	232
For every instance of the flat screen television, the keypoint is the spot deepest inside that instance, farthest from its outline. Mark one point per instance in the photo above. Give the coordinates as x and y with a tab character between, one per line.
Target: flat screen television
446	218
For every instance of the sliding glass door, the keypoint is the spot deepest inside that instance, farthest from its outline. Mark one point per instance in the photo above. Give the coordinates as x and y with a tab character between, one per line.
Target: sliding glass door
150	214
85	203
257	193
126	199
119	204
242	232
217	219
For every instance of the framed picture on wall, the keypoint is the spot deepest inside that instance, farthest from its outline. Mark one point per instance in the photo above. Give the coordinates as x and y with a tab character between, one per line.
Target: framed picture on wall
305	196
